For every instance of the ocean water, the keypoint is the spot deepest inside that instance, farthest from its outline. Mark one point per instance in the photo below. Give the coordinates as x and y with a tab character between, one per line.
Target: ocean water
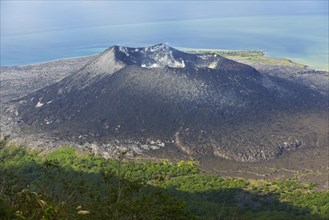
301	38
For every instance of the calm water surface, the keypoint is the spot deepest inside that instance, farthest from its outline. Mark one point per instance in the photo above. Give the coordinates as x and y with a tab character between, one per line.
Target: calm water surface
301	38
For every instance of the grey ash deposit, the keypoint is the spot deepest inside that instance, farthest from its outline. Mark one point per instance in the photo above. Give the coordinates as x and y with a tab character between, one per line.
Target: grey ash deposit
158	99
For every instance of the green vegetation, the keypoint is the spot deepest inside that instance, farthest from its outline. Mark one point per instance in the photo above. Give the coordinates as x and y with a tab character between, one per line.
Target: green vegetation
70	184
250	57
241	53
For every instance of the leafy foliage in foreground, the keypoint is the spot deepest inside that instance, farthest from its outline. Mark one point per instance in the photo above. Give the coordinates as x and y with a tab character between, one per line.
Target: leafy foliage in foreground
65	185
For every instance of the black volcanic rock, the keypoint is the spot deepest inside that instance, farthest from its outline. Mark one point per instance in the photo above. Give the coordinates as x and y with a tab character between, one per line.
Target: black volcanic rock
159	97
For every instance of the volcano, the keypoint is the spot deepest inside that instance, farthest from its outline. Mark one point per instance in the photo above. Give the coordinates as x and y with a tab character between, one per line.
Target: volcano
158	98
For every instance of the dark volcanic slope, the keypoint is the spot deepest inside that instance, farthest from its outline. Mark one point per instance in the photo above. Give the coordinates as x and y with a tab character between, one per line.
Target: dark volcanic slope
159	97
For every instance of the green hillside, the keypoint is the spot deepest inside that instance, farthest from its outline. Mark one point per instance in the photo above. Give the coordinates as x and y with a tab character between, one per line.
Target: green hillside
71	184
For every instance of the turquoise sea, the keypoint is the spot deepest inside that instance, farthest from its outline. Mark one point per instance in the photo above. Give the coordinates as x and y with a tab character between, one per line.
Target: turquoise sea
301	38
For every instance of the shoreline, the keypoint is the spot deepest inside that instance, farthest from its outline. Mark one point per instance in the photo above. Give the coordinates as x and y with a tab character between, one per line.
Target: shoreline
246	55
50	61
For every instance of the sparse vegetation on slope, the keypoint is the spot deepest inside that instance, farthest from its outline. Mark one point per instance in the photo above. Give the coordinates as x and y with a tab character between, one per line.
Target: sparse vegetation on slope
67	184
250	56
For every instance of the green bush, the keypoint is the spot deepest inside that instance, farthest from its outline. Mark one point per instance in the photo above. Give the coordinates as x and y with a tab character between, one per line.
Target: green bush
65	184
